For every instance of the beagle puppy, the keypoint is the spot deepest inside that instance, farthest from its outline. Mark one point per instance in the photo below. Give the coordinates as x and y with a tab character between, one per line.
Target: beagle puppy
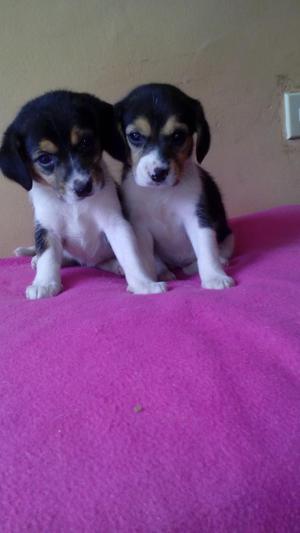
174	205
54	150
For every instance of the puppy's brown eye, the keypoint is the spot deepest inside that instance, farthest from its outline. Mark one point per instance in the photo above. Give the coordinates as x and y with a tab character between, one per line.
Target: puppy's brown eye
45	160
178	137
136	138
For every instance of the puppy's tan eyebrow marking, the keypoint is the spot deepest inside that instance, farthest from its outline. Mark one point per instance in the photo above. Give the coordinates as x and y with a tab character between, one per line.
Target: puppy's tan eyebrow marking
45	145
76	134
171	125
141	124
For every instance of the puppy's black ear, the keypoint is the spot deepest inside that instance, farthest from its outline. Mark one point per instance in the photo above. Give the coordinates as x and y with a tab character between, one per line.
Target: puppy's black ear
119	109
118	112
112	139
12	163
203	132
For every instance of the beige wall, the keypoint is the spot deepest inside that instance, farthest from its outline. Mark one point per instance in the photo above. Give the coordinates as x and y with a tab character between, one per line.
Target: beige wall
237	56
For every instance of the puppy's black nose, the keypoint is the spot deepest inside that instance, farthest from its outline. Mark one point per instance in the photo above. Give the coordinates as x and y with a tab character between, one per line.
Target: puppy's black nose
83	189
160	174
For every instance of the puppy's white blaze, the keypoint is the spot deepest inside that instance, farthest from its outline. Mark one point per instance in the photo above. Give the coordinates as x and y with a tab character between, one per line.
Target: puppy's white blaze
145	168
78	175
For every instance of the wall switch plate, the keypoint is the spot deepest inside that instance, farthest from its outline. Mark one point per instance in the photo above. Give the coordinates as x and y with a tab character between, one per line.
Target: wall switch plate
292	115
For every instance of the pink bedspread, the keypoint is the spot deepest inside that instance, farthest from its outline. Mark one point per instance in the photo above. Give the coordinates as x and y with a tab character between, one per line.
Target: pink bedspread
172	413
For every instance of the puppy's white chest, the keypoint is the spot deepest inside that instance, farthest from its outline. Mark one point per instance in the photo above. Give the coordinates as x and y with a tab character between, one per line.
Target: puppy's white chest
163	221
163	212
79	226
166	224
83	239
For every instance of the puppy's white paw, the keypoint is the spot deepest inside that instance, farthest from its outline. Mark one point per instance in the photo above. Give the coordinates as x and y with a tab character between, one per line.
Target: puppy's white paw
36	291
218	281
148	287
22	251
34	261
224	260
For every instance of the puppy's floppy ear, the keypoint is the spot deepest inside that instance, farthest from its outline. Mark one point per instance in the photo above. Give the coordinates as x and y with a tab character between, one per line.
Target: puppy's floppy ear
203	132
12	163
119	108
103	114
119	111
111	138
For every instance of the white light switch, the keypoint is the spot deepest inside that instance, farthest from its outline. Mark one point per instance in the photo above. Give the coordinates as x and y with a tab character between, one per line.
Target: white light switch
292	115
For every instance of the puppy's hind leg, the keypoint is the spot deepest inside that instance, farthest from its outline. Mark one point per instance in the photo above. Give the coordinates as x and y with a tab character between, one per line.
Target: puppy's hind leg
163	273
25	251
68	260
191	269
112	265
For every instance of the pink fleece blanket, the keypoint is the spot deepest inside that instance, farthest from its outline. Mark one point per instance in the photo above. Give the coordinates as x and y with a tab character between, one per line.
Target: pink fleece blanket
171	413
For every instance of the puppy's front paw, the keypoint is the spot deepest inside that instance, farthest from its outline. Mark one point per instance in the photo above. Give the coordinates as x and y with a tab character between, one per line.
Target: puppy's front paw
37	291
34	261
218	281
224	261
148	287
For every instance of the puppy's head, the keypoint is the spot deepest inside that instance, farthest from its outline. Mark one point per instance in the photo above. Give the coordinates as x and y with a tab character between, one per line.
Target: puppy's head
57	140
158	122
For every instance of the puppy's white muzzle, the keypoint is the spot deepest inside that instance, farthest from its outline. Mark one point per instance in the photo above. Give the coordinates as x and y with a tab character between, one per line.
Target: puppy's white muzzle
152	171
79	186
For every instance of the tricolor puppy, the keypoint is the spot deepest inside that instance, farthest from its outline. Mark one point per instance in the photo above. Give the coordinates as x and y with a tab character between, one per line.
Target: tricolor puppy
54	150
174	205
